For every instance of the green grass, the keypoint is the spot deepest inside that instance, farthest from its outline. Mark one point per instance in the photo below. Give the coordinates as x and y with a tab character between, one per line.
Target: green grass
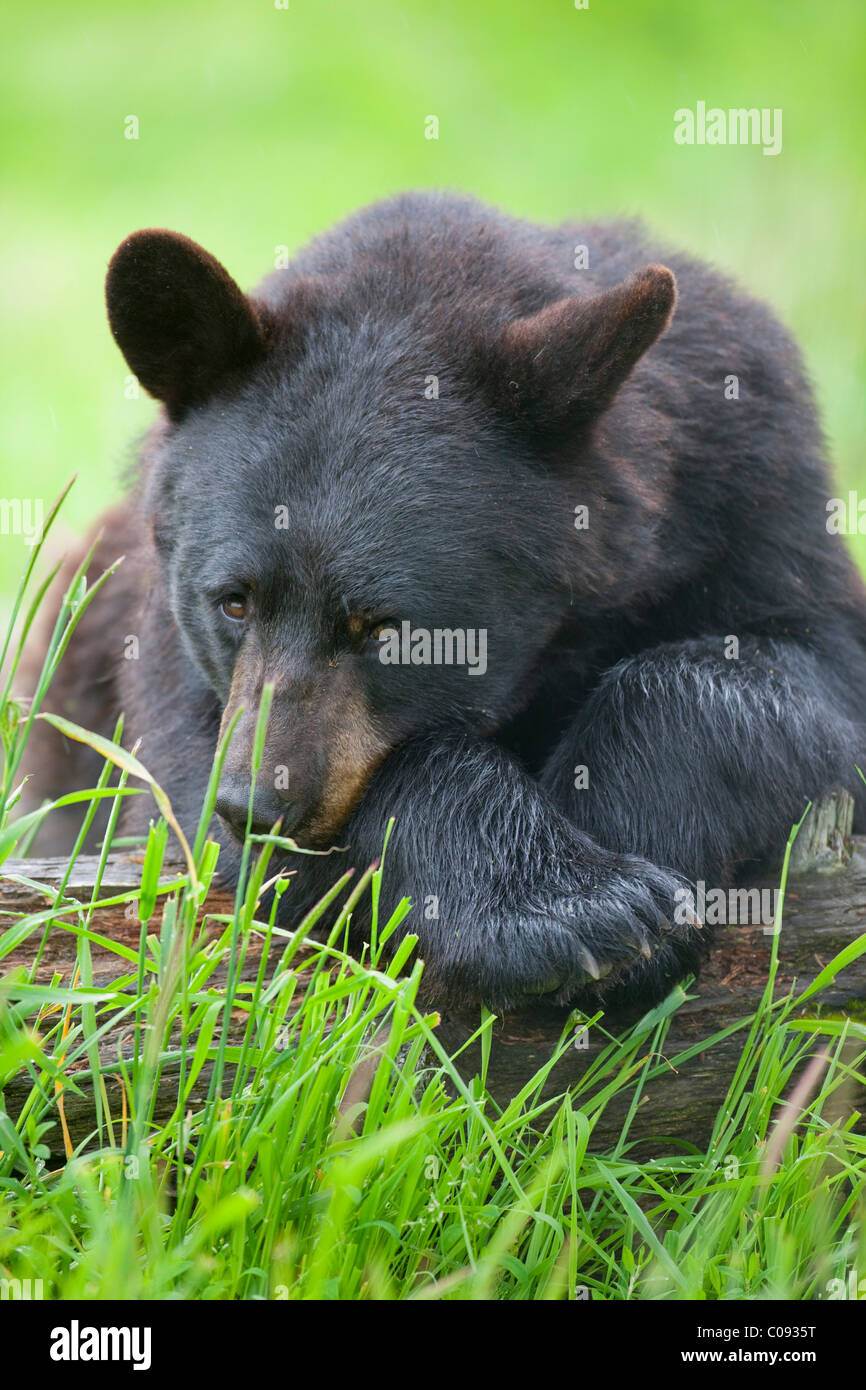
337	1153
259	127
333	1150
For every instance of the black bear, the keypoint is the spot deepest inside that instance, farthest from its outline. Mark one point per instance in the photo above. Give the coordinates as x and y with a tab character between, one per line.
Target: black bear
533	548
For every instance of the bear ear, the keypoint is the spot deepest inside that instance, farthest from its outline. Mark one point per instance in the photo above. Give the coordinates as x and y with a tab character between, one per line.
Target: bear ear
178	317
556	370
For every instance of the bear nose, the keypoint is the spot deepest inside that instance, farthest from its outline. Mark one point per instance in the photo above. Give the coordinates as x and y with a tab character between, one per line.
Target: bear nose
232	805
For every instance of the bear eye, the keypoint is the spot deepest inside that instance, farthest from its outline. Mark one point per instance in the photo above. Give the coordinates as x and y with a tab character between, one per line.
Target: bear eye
234	607
377	633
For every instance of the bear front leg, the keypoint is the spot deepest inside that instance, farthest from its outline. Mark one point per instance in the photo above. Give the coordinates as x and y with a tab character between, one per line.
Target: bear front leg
510	899
703	763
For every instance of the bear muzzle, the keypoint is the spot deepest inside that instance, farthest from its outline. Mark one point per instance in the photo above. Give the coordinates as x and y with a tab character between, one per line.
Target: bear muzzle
268	808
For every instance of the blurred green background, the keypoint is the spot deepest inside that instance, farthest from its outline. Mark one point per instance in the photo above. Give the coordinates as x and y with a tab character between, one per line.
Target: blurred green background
259	126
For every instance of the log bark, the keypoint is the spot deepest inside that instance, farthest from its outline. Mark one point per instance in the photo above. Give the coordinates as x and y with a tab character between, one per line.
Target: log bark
824	842
823	913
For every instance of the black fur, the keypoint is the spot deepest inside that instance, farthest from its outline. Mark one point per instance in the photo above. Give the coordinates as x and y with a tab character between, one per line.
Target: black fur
606	647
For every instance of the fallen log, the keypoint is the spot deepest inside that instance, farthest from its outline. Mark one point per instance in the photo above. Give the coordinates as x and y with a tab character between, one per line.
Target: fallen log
823	913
